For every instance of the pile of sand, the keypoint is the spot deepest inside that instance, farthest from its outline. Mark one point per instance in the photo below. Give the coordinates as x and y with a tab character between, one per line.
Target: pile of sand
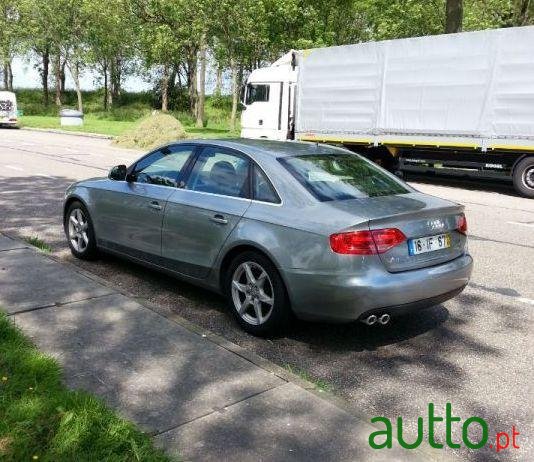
152	131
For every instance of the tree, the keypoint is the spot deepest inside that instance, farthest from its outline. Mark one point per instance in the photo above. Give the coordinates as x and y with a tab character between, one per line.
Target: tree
454	14
111	40
11	32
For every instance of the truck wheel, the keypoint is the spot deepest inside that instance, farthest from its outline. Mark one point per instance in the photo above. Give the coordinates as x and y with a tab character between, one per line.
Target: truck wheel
524	177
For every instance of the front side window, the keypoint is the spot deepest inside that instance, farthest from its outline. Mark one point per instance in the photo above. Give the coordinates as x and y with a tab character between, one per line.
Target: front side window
257	93
163	167
218	171
331	177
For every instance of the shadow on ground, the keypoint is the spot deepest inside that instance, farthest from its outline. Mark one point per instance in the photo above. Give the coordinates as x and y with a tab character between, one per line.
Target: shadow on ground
479	184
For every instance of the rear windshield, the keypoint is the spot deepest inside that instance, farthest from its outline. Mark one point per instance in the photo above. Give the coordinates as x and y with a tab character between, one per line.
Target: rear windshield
333	177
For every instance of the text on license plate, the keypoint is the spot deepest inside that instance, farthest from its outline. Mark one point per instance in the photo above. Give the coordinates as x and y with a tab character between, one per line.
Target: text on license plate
429	243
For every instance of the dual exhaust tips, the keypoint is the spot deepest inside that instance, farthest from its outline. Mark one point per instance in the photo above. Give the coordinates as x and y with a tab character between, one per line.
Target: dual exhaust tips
373	319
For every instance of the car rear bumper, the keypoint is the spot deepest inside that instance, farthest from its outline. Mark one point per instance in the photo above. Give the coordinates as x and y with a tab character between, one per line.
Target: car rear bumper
344	298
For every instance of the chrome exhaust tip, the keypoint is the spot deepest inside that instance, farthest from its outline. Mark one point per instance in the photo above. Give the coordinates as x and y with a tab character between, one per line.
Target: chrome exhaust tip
370	320
384	319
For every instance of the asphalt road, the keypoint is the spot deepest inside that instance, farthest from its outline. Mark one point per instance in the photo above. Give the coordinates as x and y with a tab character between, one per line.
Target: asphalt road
474	351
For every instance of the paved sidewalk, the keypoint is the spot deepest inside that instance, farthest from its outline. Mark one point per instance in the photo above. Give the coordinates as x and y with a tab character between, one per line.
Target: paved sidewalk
201	399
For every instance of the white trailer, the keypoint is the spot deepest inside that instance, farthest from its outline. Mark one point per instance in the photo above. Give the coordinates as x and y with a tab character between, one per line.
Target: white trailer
459	104
8	108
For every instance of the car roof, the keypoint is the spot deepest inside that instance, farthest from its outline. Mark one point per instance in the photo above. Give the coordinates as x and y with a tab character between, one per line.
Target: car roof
273	149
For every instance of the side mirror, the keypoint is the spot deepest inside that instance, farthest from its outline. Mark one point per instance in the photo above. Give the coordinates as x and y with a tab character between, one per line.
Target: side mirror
118	173
242	106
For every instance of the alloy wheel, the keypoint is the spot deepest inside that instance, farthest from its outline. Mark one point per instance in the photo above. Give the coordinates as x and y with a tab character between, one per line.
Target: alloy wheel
252	293
78	225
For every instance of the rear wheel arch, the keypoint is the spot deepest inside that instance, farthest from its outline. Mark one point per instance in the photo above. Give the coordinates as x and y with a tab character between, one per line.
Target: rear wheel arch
237	250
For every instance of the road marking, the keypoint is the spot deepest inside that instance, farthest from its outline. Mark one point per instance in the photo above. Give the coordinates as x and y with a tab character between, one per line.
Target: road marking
530	225
13	167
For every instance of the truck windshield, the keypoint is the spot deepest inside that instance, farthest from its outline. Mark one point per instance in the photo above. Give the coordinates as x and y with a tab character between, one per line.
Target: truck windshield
331	177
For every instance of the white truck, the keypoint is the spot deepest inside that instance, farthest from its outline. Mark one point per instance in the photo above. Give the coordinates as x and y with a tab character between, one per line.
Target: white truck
459	104
8	108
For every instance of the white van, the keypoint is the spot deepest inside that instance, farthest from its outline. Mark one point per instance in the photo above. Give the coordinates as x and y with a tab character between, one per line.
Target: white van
8	108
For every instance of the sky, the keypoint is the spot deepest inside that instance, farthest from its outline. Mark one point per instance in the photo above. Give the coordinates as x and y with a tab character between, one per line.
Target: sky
26	75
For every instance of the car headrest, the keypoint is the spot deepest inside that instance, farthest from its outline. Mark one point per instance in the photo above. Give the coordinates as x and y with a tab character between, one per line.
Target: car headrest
223	172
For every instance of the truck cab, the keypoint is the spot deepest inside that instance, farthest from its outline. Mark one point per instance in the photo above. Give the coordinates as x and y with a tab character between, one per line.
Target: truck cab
269	101
8	108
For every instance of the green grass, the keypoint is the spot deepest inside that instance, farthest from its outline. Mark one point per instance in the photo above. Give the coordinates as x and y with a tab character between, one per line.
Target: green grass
124	116
41	420
39	243
321	385
91	124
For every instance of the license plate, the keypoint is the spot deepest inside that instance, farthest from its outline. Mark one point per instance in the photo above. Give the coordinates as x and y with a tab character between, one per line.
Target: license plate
429	243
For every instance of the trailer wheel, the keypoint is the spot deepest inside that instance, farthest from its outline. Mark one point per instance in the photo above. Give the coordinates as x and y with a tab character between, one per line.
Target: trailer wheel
524	177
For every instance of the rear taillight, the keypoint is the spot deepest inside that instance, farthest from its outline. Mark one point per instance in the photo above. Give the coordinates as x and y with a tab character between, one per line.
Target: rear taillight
461	224
366	242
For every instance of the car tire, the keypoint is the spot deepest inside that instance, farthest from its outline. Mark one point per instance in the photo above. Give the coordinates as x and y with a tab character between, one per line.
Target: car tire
266	284
524	177
80	231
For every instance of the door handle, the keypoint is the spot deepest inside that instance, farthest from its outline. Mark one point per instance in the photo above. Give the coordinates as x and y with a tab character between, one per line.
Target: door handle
219	219
155	205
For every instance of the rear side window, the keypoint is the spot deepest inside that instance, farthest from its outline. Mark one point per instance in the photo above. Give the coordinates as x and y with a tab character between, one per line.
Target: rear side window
262	188
257	93
218	171
331	177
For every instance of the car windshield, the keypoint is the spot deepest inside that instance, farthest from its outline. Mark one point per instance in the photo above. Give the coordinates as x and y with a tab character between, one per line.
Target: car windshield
331	177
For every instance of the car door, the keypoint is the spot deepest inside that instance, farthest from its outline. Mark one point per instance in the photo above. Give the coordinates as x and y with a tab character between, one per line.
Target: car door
130	213
199	218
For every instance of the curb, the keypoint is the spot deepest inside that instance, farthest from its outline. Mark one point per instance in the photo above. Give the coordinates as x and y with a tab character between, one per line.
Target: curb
280	372
68	132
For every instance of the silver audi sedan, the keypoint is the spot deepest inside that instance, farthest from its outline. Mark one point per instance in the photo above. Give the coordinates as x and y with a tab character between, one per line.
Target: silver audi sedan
279	228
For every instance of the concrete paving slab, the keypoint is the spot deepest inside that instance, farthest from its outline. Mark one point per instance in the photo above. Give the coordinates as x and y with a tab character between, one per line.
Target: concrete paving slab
9	244
29	280
284	424
153	371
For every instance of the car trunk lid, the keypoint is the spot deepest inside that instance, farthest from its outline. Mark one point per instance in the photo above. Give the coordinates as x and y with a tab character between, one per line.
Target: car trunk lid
417	216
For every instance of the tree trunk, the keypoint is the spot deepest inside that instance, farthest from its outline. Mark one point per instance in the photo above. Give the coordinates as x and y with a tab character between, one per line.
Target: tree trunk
57	72
218	81
106	90
63	76
201	85
75	73
235	93
10	76
454	13
6	77
523	13
192	83
44	76
115	78
76	78
165	89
